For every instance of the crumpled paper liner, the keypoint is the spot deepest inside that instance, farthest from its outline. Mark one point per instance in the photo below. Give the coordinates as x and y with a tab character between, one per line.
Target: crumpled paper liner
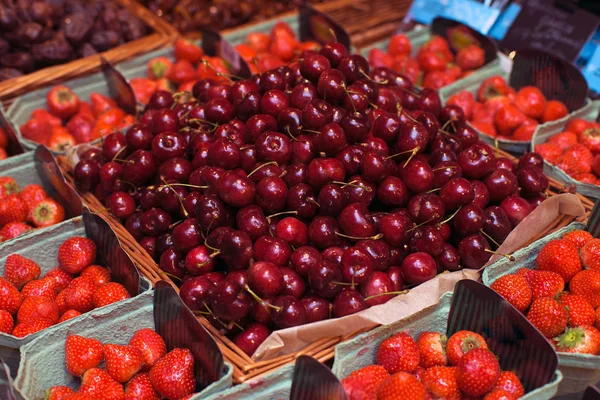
290	340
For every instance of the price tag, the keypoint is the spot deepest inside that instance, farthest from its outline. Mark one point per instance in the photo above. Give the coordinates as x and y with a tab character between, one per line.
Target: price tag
215	45
591	71
505	21
552	26
14	146
119	88
475	14
319	27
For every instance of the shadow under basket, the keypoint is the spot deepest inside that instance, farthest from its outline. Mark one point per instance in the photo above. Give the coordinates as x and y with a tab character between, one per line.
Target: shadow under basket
244	368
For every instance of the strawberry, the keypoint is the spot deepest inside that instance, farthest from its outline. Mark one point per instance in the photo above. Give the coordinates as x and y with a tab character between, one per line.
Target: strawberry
151	345
47	212
597	323
559	256
80	295
8	186
60	277
37	130
97	274
398	353
363	383
100	385
515	289
67	315
590	138
38	308
548	316
7	323
580	311
587	284
173	375
477	372
432	349
499	394
122	362
31	195
45	287
564	140
511	383
579	238
109	293
140	388
544	283
78	396
577	160
590	254
584	340
19	270
32	326
586	178
13	229
82	353
76	253
57	392
12	209
10	298
401	386
60	302
441	382
461	343
551	152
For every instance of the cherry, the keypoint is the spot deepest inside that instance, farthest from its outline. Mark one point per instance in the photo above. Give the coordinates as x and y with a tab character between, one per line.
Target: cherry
172	262
501	183
155	221
516	208
351	157
376	145
140	167
168	145
271	194
257	124
334	254
265	170
321	171
468	220
429	100
426	239
443	155
236	189
444	172
198	261
313	65
302	94
87	174
215	237
532	180
354	67
334	52
379	251
194	292
506	163
430	123
301	198
170	196
359	190
467	135
250	338
289	312
448	259
293	231
322	232
418	268
476	161
236	249
332	199
293	284
211	213
356	265
187	235
474	251
274	250
331	85
239	89
425	208
317	114
133	225
412	137
294	174
317	308
93	153
322	278
261	311
114	145
303	258
290	121
456	192
537	200
497	225
165	120
272	79
374	289
348	302
530	159
273	102
219	110
215	277
330	140
163	242
395	275
375	167
139	137
229	301
121	204
252	220
355	221
482	194
240	277
265	279
394	228
387	127
444	141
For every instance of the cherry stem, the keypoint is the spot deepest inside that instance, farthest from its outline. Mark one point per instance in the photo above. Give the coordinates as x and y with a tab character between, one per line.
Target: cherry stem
353	184
182	184
246	147
171	276
218	73
123	161
446	167
450	217
422	223
202	121
433	190
343	283
201	313
169	185
260	301
374	237
417	95
489	237
449	122
332	32
215	253
174	224
386	294
508	256
402	152
116	156
384	82
281	213
312	131
311	200
261	166
414	153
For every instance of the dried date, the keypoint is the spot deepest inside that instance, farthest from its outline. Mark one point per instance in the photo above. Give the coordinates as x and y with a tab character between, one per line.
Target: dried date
76	27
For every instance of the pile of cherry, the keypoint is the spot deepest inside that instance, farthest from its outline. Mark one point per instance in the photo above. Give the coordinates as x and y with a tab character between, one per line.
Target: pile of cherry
310	191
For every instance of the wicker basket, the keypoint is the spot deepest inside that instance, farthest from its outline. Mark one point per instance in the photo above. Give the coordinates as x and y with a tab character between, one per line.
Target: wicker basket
244	368
162	35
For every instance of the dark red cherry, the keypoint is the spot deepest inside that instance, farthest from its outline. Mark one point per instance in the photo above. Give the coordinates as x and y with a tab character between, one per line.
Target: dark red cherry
482	194
356	265
355	221
497	225
473	251
375	288
516	208
252	220
417	175
418	268
303	258
317	308
348	302
468	220
476	161
456	192
272	249
293	284
322	232
322	278
289	312
301	198
501	183
394	228
250	338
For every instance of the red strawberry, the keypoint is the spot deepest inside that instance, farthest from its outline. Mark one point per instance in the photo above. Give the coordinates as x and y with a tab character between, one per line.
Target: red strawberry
579	238
32	326
60	276
548	316
100	385
38	308
60	302
587	284
80	295
544	283
76	253
551	152
140	388
559	256
565	139
362	384
511	383
45	287
173	375
441	382
432	349
151	345
13	229
461	343
401	386
97	274
580	311
109	293
33	194
515	289
12	209
499	394
590	138
7	323
57	392
19	270
10	298
577	160
81	354
47	212
8	186
590	254
78	396
398	353
477	373
597	323
122	362
584	340
67	315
